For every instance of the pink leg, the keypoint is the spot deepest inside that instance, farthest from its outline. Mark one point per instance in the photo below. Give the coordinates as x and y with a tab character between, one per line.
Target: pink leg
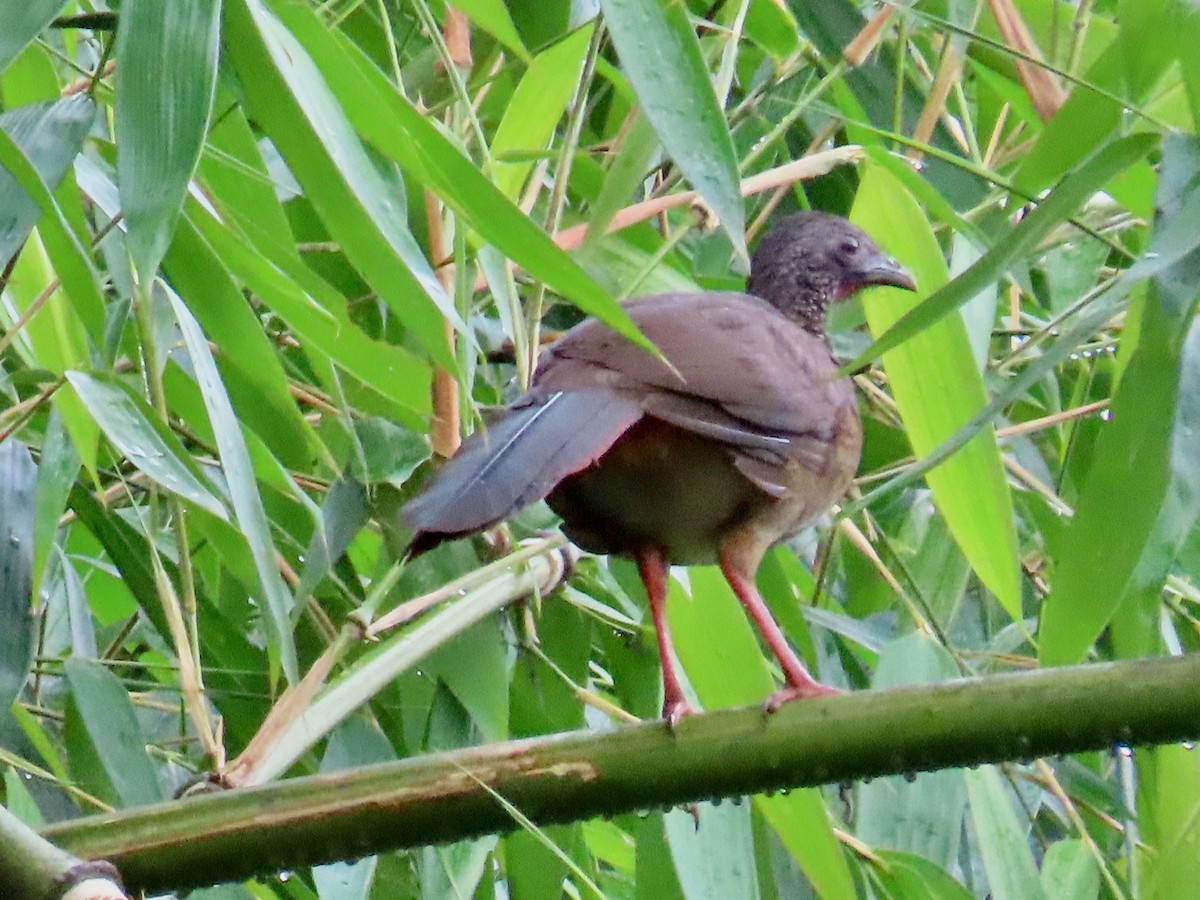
653	569
800	683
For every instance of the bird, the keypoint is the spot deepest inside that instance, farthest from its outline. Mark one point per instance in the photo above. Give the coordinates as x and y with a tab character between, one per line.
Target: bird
738	434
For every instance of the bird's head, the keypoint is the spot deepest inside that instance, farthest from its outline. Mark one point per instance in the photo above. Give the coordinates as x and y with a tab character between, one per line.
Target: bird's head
812	259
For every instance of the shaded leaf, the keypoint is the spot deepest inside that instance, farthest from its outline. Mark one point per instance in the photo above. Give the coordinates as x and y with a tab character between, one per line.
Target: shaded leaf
1136	460
18	476
660	55
22	23
134	429
938	388
165	86
243	490
49	135
292	101
111	738
1007	859
1062	202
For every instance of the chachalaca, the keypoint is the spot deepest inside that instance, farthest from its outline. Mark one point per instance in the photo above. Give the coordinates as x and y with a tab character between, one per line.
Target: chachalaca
737	437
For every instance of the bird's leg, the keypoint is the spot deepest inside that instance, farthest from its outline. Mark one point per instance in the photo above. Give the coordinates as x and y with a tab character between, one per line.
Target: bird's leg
801	684
652	566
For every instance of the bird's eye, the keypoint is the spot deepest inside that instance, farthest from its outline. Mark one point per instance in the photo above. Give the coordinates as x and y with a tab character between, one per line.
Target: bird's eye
848	248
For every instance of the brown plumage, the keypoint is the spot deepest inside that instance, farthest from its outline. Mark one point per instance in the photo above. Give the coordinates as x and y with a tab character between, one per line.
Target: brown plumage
740	438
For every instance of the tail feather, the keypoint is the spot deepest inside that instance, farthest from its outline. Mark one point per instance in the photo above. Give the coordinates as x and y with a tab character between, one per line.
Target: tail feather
515	462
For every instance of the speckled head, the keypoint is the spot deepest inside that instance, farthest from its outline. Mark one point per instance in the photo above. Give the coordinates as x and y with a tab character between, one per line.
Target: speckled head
812	259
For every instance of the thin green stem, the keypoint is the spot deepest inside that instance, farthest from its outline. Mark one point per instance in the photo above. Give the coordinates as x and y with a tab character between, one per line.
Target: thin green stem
562	179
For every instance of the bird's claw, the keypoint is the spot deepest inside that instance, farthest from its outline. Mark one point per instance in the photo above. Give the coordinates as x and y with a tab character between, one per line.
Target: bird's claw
675	711
806	691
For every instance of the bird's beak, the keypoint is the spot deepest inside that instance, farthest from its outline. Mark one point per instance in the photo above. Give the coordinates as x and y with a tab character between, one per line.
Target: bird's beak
883	270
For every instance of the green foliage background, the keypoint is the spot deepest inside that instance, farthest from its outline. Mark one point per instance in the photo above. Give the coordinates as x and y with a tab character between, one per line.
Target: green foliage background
239	232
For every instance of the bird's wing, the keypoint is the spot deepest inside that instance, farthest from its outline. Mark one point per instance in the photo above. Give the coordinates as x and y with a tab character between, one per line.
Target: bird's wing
518	460
733	369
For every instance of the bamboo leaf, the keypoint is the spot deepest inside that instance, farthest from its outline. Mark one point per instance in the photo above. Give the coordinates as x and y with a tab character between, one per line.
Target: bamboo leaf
18	476
24	22
396	129
1069	872
1090	177
1137	460
291	100
724	664
243	490
923	814
165	87
536	106
128	422
1007	859
938	388
109	741
661	56
493	17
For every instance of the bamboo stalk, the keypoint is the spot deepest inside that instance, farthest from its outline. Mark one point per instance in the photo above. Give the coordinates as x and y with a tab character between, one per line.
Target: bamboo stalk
566	777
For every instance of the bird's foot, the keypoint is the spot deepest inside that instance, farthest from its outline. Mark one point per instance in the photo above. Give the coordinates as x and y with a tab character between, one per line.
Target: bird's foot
806	691
676	710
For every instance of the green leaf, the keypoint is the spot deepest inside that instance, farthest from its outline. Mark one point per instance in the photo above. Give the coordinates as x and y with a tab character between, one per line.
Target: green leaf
1171	818
1007	859
128	422
243	490
1070	872
1137	460
49	136
938	388
474	666
662	59
247	352
343	514
111	744
237	178
57	469
714	852
22	23
291	100
1073	191
922	815
399	131
801	821
492	16
18	477
536	106
317	314
772	26
165	84
907	876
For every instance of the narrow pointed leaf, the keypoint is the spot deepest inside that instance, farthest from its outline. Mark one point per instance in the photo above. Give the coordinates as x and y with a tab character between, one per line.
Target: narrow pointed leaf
938	388
243	489
165	83
18	475
395	128
1007	859
112	744
1144	462
535	108
661	57
128	422
22	23
1068	196
293	103
493	17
